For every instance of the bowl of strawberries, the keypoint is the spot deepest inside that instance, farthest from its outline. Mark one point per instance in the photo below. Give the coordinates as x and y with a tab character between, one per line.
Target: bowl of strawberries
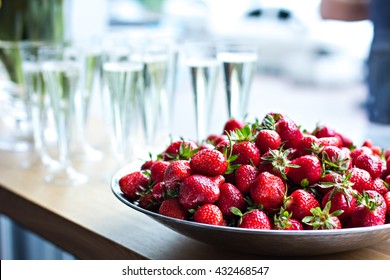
267	187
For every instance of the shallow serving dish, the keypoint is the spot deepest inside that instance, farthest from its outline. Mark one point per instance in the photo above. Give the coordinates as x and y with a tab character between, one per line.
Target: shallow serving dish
263	242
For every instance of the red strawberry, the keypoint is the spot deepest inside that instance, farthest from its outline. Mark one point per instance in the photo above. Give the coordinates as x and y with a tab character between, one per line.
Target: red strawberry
387	201
289	132
148	202
173	209
341	199
134	183
370	210
358	151
324	131
147	165
197	190
255	219
335	159
328	181
214	139
267	139
283	221
157	171
323	218
159	191
209	163
244	176
371	163
360	178
309	171
230	197
276	162
247	153
232	125
176	172
379	185
330	141
307	144
268	191
299	204
180	149
209	214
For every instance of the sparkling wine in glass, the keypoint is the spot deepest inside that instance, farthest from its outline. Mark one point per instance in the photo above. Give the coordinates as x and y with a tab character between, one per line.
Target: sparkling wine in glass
204	71
238	66
61	77
90	70
123	80
154	100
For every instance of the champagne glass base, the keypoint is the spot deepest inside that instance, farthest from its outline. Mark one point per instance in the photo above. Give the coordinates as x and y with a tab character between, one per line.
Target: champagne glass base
87	153
66	176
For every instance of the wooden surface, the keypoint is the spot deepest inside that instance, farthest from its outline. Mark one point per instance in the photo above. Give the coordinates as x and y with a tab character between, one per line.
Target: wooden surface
89	222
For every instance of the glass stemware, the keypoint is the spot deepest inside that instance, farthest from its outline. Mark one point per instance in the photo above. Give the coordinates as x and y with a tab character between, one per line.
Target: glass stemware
90	60
122	78
239	64
61	75
201	58
37	100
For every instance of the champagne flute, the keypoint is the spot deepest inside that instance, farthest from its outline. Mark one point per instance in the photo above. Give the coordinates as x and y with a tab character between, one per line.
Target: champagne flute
154	101
239	64
61	75
37	99
122	78
201	58
90	60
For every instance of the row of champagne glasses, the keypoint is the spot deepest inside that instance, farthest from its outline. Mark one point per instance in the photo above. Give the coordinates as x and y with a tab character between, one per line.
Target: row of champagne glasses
138	88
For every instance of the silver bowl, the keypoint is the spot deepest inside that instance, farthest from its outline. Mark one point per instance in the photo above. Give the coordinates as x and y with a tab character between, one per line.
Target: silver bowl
263	242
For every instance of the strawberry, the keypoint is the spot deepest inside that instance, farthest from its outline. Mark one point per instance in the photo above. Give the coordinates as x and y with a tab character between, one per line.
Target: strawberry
215	139
134	183
157	171
180	149
148	202
244	176
268	191
322	131
387	201
198	189
267	139
176	172
230	197
299	204
370	210
173	209
328	181
334	158
371	163
289	132
209	214
232	125
330	141
283	221
159	192
247	153
309	171
323	219
360	178
380	186
147	165
254	219
341	198
276	162
209	163
308	144
358	151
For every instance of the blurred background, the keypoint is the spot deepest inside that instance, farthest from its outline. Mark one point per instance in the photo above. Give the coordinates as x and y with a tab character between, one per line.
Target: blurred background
300	55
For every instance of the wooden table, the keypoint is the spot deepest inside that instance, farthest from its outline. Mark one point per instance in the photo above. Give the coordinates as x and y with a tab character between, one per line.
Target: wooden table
90	223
